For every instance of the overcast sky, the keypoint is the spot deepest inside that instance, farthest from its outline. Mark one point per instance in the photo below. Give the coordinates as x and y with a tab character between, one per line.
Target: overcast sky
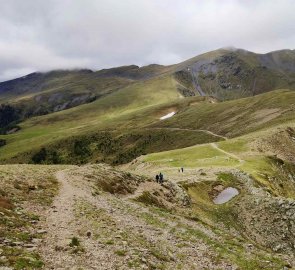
37	35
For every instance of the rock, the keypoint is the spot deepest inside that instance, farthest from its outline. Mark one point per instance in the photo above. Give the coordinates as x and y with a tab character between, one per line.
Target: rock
219	188
88	234
4	259
14	244
153	265
33	187
36	240
171	256
58	248
277	247
125	243
41	231
29	245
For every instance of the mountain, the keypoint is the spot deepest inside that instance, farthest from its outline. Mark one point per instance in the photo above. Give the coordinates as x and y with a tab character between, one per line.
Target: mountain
130	96
80	150
235	73
224	74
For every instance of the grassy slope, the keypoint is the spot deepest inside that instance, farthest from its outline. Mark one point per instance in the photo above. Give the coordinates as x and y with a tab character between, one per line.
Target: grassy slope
61	92
237	117
248	121
233	74
44	84
270	71
141	105
225	74
241	153
119	108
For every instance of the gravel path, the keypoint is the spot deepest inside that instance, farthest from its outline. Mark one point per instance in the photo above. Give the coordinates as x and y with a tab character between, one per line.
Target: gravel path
117	233
194	130
215	146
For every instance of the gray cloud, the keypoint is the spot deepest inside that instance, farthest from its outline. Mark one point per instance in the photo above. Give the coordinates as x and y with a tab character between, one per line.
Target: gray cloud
42	35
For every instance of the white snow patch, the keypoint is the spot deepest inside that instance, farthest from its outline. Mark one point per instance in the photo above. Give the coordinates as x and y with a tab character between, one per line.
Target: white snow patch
167	115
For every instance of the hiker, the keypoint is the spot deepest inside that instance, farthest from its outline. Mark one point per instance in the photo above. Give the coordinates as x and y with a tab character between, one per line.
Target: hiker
161	178
181	169
157	178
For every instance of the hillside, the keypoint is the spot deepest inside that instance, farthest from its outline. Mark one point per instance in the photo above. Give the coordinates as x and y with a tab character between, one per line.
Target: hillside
131	117
105	218
236	117
78	187
235	73
224	73
43	93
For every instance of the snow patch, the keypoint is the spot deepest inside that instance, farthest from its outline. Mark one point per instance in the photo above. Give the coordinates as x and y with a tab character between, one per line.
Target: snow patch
167	115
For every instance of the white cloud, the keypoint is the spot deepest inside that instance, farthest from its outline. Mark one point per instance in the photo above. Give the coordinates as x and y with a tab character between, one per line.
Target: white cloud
52	34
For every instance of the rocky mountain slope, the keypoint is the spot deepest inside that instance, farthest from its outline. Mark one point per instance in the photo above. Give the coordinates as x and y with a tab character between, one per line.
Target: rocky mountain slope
236	73
102	218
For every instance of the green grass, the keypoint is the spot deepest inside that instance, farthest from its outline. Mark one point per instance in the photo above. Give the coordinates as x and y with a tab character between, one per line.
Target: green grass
121	108
74	242
237	117
196	156
235	146
121	252
136	109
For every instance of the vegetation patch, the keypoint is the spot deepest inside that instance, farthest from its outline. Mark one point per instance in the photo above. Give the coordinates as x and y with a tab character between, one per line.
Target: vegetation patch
23	184
121	252
9	116
2	142
150	199
74	242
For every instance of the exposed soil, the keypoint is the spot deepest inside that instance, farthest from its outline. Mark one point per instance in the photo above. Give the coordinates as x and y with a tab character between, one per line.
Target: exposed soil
123	234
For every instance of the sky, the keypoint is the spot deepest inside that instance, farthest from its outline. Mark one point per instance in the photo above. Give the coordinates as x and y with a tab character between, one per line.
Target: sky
37	35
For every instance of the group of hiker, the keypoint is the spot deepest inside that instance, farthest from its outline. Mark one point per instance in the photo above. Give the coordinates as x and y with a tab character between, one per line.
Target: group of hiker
160	176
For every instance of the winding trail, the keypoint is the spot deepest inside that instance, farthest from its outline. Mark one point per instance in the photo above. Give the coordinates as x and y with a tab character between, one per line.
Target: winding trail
215	146
61	225
194	130
76	211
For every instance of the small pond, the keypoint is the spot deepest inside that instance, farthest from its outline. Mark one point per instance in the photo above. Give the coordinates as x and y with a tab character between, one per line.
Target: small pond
226	195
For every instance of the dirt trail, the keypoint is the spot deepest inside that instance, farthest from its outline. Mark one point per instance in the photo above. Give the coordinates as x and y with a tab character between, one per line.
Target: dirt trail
215	146
61	226
136	233
194	130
